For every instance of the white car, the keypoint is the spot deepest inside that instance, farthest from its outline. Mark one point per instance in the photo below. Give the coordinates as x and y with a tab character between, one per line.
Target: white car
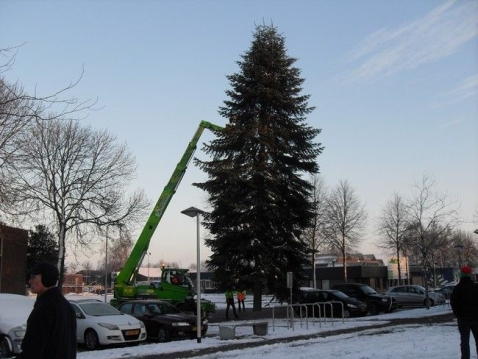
14	312
99	323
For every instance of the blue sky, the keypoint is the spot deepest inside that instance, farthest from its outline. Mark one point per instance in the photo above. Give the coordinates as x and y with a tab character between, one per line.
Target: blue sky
395	85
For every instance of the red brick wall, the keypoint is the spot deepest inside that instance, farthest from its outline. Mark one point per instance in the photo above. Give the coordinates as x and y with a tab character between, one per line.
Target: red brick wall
13	260
73	283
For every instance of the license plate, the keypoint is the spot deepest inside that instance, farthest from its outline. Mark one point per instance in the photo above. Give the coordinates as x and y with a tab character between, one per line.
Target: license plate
132	332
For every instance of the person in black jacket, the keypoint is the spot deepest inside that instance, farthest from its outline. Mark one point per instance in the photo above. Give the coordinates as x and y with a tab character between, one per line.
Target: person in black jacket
51	326
464	303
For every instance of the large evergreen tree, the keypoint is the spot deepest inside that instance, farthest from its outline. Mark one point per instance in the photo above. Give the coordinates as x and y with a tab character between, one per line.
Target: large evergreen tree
255	185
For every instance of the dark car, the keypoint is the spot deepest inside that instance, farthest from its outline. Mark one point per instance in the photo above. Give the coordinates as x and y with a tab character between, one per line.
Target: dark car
375	302
351	307
163	321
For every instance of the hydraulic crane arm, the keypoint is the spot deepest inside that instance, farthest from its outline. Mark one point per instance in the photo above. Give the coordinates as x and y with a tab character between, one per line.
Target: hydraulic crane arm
127	273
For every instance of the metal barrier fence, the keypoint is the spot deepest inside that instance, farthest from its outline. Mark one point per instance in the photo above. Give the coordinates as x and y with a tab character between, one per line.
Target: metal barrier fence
304	308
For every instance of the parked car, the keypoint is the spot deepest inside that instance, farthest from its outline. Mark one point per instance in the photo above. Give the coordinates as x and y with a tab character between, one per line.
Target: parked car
99	323
14	312
446	291
351	307
414	295
163	321
375	302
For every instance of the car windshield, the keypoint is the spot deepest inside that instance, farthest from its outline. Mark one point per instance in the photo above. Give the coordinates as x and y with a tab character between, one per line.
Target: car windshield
162	308
339	294
99	309
368	290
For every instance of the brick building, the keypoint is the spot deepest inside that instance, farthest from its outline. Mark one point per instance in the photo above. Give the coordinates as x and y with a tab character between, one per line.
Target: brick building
72	283
13	259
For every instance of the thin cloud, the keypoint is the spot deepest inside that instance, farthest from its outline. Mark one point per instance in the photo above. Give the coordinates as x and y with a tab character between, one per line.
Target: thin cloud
440	33
452	123
468	88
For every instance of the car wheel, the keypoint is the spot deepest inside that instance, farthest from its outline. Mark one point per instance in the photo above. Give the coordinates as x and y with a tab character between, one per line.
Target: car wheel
430	301
163	334
91	340
5	351
346	313
373	309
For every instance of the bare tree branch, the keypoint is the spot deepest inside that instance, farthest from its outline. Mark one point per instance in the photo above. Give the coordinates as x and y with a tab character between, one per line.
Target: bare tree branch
392	226
346	219
78	176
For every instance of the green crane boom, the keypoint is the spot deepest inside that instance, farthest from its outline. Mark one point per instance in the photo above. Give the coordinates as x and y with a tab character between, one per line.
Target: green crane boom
125	280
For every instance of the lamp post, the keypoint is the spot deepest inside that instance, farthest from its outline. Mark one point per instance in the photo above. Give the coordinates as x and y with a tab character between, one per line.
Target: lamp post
106	269
195	212
149	254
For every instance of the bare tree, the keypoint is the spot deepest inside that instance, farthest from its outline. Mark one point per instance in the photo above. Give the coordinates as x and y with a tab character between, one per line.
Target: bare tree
77	177
464	248
87	268
316	235
345	218
18	110
119	249
432	217
193	266
392	226
73	267
39	107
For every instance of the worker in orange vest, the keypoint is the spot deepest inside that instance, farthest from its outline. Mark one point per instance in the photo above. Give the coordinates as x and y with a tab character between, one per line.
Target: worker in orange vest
241	296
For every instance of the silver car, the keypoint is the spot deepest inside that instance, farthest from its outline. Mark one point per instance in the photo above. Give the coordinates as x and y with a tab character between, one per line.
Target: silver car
446	291
414	295
14	312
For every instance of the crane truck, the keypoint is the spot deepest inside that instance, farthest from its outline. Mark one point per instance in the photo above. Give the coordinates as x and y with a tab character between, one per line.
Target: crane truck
175	285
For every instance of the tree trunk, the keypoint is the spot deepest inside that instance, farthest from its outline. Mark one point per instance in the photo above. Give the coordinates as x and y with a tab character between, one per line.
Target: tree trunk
257	305
61	254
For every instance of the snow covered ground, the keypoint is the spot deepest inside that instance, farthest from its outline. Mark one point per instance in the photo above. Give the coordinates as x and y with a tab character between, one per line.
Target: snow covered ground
402	341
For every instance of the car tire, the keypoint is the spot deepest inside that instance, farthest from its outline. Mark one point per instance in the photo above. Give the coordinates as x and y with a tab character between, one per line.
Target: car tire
373	309
91	340
163	334
346	313
432	303
5	351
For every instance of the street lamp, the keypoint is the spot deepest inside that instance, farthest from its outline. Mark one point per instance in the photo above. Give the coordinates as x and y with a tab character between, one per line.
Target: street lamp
195	212
106	269
149	254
